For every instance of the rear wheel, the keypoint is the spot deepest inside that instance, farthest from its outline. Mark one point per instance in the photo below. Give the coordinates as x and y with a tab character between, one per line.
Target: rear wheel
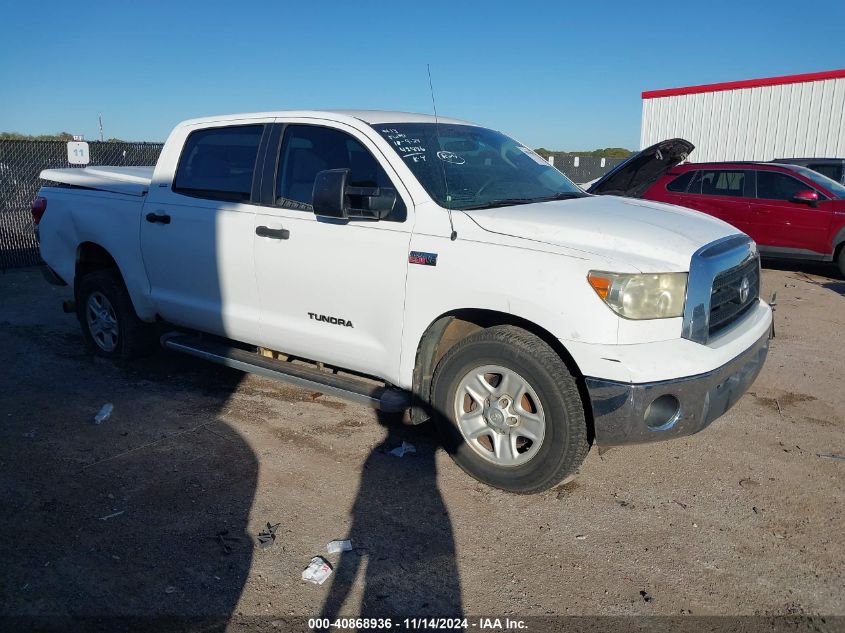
509	410
109	323
841	260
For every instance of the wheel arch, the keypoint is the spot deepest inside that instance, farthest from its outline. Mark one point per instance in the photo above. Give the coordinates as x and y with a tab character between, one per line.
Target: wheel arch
838	242
839	256
91	256
450	327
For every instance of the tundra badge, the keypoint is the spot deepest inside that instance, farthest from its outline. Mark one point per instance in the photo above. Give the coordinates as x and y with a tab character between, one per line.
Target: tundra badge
329	319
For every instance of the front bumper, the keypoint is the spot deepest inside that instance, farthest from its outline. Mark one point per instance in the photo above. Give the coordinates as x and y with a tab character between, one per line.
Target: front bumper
625	413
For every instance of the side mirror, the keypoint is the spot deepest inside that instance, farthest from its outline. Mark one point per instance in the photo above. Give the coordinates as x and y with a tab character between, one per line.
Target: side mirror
375	203
333	198
329	198
807	196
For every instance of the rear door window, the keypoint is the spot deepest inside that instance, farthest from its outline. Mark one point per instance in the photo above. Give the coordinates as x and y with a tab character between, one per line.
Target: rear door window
680	184
219	163
773	185
719	182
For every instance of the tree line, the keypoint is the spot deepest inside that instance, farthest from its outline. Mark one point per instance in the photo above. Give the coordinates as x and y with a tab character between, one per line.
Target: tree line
61	136
607	152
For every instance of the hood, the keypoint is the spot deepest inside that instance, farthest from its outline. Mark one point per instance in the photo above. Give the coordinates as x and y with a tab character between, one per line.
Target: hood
648	236
632	177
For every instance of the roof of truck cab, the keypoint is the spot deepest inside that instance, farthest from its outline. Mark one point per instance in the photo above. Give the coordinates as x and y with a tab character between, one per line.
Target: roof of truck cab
367	116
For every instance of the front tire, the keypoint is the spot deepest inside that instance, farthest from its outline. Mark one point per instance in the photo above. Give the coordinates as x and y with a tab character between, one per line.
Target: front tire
509	410
840	260
109	324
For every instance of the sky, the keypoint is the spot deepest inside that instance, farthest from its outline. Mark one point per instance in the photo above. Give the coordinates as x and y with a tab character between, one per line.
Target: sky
560	75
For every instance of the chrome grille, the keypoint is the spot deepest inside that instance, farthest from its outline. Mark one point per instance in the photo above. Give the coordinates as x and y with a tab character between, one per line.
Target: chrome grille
734	292
716	261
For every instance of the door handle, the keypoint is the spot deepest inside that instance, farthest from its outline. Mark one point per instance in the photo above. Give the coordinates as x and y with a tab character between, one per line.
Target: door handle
762	211
275	234
158	218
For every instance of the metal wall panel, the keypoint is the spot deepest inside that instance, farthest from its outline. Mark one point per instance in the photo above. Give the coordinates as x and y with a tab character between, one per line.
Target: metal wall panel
758	123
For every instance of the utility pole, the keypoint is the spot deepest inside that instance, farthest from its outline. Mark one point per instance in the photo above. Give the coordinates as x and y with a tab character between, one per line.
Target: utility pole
101	126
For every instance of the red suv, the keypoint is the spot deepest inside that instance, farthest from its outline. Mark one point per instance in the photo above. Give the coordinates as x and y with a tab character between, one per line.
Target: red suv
790	211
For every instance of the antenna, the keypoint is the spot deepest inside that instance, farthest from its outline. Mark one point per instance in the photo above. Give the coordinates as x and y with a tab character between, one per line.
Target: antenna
101	126
454	235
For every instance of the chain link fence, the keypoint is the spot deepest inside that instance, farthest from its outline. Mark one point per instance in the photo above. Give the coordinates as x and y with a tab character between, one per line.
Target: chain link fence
581	169
20	164
22	161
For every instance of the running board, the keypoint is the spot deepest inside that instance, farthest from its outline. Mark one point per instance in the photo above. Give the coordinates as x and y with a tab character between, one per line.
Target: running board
379	397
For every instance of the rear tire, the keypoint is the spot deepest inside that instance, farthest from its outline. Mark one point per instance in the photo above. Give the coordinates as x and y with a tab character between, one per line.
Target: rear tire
508	410
109	324
840	260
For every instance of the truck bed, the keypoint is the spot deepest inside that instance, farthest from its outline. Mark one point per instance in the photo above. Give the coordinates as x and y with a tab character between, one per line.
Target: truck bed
133	181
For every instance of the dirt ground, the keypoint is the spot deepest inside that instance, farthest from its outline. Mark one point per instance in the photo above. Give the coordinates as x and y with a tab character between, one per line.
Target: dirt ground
157	509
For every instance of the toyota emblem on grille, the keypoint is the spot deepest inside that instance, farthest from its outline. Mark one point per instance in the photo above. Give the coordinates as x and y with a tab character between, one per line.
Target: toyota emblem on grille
744	290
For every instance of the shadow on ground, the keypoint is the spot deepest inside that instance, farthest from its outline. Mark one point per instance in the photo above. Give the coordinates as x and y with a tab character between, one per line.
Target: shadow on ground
401	507
803	269
144	514
822	269
148	513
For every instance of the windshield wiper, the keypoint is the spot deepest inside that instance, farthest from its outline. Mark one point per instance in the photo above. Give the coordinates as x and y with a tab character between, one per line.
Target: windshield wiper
563	195
507	202
500	202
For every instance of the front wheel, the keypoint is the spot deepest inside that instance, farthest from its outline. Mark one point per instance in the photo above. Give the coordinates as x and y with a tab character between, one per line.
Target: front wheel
509	410
841	260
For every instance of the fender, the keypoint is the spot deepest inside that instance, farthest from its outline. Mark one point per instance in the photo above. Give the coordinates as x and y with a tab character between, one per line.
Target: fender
545	291
113	263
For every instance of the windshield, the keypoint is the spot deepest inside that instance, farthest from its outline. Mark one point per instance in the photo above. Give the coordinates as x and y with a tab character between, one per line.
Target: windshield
821	180
469	167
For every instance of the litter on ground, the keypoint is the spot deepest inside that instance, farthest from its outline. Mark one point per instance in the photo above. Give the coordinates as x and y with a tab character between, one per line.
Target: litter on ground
104	413
317	571
401	451
224	540
112	515
267	537
339	546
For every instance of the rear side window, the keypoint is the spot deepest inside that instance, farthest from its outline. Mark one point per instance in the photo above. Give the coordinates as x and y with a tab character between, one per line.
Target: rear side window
218	163
773	185
719	182
680	184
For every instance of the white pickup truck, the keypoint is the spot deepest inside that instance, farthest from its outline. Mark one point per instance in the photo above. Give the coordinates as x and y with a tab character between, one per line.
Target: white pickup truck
416	263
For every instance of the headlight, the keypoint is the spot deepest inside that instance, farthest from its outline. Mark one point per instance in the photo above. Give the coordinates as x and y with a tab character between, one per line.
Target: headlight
641	296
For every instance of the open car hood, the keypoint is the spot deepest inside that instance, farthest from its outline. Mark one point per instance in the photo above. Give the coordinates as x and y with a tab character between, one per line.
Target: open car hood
638	173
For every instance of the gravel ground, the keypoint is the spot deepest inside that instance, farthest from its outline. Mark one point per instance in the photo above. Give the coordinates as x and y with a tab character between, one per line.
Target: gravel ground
156	510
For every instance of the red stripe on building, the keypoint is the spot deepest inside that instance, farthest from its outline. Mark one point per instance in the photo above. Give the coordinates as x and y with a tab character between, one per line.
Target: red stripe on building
748	83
